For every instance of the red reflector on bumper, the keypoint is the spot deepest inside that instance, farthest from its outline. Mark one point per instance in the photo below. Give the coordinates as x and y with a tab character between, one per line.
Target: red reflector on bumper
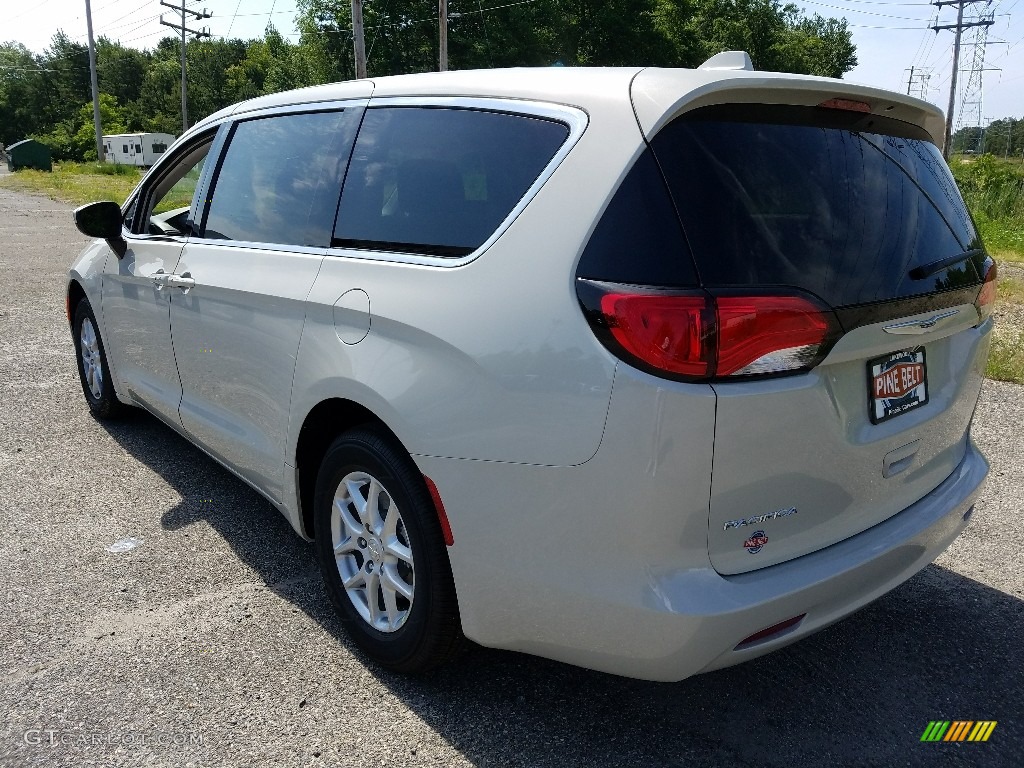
775	629
442	516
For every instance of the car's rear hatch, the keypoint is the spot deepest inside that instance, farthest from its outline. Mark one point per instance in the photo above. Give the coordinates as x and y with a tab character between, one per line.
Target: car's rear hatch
857	213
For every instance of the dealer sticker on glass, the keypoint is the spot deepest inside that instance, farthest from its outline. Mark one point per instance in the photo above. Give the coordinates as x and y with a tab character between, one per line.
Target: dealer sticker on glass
897	383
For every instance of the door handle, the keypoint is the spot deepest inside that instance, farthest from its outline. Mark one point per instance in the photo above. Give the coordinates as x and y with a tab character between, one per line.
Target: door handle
163	280
183	281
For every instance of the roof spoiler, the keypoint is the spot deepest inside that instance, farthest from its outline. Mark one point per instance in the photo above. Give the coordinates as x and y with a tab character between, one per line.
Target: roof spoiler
729	60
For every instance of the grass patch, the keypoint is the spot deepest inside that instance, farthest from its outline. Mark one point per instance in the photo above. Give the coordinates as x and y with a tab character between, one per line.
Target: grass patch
77	183
1010	290
1004	237
1006	359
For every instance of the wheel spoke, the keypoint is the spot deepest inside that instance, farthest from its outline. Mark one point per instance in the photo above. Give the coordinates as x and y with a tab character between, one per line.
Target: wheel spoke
372	593
397	549
345	547
355	495
390	527
352	527
390	603
356	581
393	582
372	518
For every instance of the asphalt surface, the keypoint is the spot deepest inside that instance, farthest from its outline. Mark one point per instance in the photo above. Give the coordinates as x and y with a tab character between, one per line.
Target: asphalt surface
213	643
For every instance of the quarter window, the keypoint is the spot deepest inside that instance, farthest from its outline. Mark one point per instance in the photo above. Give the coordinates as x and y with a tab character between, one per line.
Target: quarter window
281	177
439	181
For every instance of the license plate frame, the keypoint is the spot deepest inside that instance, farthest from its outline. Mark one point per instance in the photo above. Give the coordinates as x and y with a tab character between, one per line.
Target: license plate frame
903	375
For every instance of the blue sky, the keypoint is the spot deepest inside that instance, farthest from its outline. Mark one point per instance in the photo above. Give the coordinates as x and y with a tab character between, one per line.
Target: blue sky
890	36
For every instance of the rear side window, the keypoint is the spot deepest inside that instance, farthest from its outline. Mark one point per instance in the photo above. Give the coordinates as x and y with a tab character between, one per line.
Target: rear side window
280	179
780	196
638	239
439	181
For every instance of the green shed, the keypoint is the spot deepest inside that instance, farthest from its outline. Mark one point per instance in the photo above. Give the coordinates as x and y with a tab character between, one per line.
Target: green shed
29	153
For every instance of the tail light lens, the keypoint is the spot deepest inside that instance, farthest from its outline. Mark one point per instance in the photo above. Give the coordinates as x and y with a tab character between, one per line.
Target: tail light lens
670	333
697	336
768	334
986	300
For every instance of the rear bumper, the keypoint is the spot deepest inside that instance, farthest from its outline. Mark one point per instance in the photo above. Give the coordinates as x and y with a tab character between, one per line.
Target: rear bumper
574	581
832	583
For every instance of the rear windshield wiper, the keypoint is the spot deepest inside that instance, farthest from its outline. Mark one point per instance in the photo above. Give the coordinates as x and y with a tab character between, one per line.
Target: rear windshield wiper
927	270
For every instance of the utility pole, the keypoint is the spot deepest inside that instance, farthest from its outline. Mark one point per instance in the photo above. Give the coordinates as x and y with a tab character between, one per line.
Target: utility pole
199	33
442	12
910	80
95	86
358	43
958	28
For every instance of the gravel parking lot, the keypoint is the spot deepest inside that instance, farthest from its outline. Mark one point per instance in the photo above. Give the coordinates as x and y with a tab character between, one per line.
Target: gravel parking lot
213	643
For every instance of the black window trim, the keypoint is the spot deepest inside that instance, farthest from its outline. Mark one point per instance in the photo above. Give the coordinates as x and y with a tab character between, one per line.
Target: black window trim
573	118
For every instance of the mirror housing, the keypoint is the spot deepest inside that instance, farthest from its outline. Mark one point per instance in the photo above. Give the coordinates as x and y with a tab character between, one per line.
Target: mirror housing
103	220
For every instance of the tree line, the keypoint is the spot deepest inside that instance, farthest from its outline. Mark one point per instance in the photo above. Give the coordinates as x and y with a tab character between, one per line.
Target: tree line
48	96
1002	138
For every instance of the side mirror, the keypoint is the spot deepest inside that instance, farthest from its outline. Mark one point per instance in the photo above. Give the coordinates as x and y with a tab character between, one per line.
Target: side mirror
103	220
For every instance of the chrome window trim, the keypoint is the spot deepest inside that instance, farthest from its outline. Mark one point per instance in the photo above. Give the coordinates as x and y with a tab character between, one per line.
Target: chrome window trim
573	117
316	250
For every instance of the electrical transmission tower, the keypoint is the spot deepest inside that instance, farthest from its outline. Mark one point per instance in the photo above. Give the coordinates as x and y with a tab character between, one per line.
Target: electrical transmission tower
972	96
919	82
982	22
198	33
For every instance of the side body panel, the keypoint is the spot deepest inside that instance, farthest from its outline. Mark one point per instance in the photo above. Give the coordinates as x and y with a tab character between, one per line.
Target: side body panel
235	338
489	357
136	319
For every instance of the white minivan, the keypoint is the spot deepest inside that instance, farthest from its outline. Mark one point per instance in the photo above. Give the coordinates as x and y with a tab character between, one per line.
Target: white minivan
651	371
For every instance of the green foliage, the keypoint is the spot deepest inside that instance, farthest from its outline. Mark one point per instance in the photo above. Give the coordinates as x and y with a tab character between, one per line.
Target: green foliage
47	96
1006	358
990	186
76	183
104	169
401	35
1001	138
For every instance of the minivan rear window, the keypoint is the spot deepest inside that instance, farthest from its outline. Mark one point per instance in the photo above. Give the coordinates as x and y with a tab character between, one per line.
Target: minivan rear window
852	208
439	181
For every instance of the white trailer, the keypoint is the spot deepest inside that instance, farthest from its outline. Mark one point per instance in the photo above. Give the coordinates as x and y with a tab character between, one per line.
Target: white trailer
136	148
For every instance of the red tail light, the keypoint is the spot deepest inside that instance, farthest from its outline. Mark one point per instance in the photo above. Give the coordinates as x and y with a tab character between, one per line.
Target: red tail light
987	298
693	335
670	333
766	334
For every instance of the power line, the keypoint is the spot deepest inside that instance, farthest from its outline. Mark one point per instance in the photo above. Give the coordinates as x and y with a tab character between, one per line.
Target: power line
864	13
233	17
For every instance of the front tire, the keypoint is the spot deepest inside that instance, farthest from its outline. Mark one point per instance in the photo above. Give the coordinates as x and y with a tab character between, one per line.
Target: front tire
382	553
93	370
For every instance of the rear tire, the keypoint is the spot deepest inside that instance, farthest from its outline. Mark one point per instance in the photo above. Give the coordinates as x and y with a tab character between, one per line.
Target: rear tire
93	370
382	554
